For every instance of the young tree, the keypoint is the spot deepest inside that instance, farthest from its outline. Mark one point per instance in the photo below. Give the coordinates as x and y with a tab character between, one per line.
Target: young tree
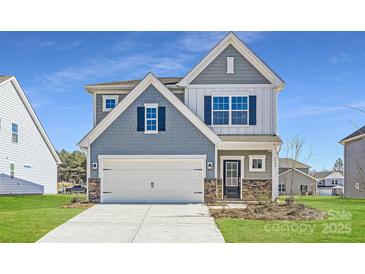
338	165
294	151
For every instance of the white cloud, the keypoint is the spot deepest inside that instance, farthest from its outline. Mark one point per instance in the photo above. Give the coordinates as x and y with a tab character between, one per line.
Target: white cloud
311	110
340	59
48	44
203	41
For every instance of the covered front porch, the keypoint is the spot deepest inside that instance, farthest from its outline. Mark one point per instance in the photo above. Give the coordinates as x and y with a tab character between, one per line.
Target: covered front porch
247	169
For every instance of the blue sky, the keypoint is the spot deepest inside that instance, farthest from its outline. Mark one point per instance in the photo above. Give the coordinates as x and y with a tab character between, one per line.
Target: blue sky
323	71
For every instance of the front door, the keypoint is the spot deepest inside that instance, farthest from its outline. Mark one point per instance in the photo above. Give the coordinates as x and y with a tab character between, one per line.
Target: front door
232	177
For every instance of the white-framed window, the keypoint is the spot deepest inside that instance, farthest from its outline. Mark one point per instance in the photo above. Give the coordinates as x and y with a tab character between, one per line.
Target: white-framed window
333	182
151	118
109	102
282	188
12	170
230	65
220	110
14	132
257	163
303	188
230	110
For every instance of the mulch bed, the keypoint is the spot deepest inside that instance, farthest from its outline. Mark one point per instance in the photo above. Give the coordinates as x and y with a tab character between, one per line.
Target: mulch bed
78	205
271	212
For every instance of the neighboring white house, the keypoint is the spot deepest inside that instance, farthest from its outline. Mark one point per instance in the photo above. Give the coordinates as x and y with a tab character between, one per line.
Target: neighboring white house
28	161
330	183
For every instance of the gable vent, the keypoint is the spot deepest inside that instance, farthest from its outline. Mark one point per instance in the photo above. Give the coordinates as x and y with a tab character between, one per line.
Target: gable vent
230	65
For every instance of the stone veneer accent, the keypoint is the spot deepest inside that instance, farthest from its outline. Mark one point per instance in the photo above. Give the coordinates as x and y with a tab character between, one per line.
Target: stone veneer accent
212	190
256	190
94	190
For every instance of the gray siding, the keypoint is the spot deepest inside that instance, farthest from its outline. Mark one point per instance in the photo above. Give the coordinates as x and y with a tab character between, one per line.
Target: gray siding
247	174
355	168
244	71
17	186
180	137
100	114
298	180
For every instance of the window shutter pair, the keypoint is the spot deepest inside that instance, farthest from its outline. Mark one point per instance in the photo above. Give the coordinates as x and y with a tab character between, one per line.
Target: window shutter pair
208	110
161	119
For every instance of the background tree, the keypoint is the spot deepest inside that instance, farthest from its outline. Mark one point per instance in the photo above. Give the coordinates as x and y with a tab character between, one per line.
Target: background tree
73	167
338	165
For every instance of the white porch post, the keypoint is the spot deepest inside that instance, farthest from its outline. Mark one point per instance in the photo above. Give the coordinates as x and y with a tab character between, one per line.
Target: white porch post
275	173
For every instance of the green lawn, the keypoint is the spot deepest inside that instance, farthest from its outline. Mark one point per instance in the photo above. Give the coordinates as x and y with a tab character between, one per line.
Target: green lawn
25	219
345	223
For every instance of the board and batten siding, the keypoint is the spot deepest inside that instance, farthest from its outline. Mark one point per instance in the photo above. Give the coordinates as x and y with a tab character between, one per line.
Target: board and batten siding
31	149
266	108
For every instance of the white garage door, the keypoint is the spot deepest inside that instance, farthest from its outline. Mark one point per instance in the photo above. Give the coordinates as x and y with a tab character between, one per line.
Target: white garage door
152	180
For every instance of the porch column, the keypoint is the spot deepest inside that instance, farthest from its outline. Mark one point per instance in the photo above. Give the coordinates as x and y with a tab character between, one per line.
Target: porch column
275	173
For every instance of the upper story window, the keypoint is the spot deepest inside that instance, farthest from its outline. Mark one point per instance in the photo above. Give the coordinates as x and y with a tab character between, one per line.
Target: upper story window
221	110
239	110
14	133
230	65
151	118
257	163
230	110
109	102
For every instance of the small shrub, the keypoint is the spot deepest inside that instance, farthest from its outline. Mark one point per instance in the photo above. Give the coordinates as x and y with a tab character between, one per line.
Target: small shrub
75	200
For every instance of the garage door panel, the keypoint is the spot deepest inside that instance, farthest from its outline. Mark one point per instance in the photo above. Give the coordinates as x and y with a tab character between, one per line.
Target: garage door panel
152	180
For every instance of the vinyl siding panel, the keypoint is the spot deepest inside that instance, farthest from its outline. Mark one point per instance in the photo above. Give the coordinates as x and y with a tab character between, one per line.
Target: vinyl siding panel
31	148
180	138
298	180
216	71
266	108
355	168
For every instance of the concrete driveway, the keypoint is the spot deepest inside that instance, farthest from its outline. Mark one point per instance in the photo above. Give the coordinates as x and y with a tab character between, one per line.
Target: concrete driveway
143	223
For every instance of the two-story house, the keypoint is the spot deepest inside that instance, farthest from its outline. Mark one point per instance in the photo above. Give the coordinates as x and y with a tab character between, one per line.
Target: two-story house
330	183
354	156
28	160
211	133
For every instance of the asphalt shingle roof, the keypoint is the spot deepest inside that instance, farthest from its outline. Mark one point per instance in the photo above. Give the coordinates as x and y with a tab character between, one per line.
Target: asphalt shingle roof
289	163
354	134
3	78
164	80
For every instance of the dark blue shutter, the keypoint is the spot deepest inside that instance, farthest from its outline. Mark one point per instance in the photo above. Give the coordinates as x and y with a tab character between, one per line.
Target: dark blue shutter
252	110
208	110
140	118
161	118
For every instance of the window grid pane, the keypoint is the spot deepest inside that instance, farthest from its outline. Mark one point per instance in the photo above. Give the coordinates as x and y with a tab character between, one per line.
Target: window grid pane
220	117
239	117
110	103
151	119
239	103
257	163
221	103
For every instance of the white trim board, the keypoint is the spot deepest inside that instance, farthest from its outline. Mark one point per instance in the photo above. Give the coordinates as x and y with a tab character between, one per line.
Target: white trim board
149	79
232	39
33	116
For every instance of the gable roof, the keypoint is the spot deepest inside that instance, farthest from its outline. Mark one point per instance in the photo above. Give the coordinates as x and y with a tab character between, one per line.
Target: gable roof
232	39
130	83
300	172
149	79
329	174
289	163
360	133
32	114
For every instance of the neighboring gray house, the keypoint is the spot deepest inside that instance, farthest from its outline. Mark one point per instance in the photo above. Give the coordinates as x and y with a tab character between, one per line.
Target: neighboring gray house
211	133
294	178
28	161
330	183
354	155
